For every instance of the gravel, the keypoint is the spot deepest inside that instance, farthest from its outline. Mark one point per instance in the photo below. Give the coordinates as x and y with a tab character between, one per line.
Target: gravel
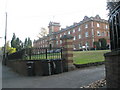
97	84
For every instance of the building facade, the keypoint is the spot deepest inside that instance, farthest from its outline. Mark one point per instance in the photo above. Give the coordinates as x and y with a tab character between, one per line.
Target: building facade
85	33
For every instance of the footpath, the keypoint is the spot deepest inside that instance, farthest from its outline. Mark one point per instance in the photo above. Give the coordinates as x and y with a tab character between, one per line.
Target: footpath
72	79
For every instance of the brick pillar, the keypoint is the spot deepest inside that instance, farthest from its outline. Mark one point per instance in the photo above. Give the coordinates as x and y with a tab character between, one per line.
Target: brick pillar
67	43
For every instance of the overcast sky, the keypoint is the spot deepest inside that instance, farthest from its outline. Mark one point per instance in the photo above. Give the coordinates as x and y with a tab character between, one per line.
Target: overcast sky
26	17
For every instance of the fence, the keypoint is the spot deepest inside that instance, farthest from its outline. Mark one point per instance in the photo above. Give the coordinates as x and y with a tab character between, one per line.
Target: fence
37	54
114	22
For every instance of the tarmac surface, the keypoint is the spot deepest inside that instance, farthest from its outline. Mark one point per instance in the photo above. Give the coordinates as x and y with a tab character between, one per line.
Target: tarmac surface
72	79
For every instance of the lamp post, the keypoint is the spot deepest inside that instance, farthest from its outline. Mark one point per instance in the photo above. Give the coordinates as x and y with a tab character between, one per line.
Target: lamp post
5	40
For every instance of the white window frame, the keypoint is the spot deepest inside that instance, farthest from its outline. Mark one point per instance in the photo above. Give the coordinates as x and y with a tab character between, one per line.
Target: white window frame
106	26
98	33
79	36
74	38
57	42
86	34
60	35
60	41
86	25
79	29
98	25
73	30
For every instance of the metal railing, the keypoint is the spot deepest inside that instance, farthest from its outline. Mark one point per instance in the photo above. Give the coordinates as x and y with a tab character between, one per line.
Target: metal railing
37	54
114	23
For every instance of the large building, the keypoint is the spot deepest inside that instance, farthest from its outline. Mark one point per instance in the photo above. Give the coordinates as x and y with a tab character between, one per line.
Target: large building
85	33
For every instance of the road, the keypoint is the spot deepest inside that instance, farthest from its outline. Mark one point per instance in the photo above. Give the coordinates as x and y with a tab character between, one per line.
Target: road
72	79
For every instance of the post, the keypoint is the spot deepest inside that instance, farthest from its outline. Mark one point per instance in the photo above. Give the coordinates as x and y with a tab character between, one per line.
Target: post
4	57
46	52
67	43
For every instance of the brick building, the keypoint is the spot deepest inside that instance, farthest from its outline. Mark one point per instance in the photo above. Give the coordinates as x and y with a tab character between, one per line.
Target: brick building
87	31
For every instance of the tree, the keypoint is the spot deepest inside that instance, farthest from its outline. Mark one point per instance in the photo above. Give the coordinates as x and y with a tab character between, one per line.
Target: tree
97	45
16	43
13	41
43	32
28	43
103	43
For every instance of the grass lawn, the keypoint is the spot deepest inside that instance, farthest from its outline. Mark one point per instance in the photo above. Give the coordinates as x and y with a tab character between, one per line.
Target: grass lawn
83	57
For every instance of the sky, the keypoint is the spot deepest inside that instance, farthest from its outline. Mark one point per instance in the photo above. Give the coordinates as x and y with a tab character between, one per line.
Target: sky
26	17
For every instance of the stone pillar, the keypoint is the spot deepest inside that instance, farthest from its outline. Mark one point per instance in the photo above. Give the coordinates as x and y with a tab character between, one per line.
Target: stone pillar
112	66
67	43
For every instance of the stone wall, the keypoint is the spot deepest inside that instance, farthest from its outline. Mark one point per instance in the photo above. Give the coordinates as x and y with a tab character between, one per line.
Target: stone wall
112	65
20	66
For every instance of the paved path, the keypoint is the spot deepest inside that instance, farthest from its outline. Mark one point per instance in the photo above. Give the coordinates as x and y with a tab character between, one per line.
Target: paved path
72	79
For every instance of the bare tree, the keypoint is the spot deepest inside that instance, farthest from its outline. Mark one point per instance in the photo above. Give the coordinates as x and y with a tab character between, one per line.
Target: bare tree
43	32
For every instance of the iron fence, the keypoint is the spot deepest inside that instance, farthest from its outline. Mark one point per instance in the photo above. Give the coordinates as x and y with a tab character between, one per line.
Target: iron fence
114	23
37	54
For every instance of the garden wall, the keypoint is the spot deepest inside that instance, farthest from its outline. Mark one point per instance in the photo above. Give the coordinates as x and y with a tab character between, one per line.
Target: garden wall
21	67
37	67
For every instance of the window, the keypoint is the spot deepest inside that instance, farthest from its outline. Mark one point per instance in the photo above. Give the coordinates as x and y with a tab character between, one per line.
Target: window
98	25
57	42
106	26
73	30
60	35
79	29
86	34
79	36
86	26
102	34
60	41
98	33
68	32
74	38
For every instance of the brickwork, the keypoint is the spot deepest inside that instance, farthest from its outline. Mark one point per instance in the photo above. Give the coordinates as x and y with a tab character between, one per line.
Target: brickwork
112	65
86	31
67	43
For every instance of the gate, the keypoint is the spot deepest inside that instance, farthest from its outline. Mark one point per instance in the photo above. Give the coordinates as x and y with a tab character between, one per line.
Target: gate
114	22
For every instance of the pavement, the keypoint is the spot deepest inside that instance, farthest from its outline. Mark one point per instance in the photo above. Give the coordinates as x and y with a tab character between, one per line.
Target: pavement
72	79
